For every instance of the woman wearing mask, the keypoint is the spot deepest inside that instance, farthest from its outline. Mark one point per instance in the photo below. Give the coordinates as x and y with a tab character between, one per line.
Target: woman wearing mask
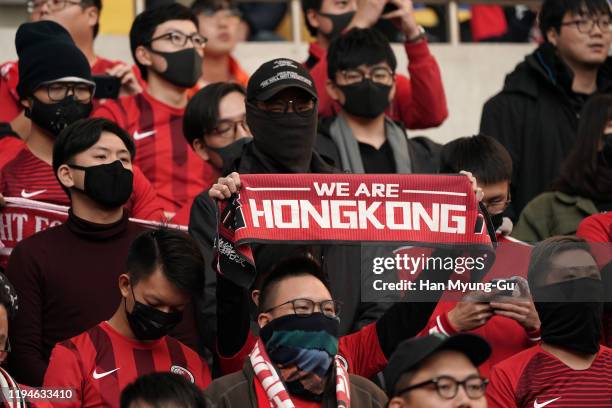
585	184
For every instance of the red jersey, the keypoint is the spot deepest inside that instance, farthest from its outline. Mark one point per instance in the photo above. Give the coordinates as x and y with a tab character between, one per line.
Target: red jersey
9	78
420	101
360	351
175	170
536	378
9	147
99	363
29	177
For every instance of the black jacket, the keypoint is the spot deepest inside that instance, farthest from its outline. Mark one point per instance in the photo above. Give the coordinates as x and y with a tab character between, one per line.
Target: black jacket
424	153
535	117
342	263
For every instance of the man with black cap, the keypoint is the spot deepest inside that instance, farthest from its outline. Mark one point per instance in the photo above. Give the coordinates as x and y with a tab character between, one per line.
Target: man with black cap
569	368
437	371
281	112
56	90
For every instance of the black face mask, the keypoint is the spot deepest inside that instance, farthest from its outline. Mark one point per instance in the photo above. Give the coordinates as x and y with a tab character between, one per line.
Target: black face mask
183	68
570	324
339	23
148	323
606	152
366	98
54	117
107	184
286	139
231	152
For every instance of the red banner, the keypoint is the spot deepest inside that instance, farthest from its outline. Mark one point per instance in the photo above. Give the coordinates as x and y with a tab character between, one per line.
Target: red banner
432	209
21	218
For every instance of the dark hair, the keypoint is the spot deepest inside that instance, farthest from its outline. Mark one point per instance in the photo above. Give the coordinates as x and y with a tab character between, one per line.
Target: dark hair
294	266
580	170
552	12
202	112
83	134
161	389
97	4
543	253
308	5
201	6
359	46
171	250
8	297
145	23
481	155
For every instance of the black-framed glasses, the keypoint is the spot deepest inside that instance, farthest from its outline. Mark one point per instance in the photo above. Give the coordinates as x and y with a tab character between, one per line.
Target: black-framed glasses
497	206
227	129
379	75
54	5
57	91
306	307
180	39
447	387
302	106
586	26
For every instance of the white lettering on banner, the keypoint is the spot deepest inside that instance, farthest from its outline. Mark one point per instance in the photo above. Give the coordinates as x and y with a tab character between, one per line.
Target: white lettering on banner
356	214
42	223
10	221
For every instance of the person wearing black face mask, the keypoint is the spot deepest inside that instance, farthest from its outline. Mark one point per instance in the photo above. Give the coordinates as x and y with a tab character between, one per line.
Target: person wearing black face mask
362	138
168	50
569	295
584	186
281	114
92	163
215	127
56	89
327	20
163	271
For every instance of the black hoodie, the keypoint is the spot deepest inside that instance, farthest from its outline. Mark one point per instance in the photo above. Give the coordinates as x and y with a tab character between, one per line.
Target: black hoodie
535	117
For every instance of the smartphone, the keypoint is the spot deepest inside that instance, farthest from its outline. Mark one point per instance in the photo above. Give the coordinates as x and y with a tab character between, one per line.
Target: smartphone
107	87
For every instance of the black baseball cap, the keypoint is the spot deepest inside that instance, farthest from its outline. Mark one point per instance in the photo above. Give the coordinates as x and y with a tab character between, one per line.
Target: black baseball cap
276	75
411	353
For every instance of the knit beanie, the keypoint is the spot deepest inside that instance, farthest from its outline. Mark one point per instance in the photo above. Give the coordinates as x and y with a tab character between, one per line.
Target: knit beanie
47	53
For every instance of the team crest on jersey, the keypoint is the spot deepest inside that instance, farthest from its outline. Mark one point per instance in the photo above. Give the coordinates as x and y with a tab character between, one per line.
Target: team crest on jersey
182	371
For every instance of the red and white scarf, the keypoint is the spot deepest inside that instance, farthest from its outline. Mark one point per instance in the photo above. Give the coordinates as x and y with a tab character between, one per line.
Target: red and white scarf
277	394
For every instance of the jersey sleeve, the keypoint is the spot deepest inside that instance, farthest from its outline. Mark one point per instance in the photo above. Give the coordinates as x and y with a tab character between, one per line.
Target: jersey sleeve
112	110
593	229
420	102
438	322
500	392
362	352
145	203
65	371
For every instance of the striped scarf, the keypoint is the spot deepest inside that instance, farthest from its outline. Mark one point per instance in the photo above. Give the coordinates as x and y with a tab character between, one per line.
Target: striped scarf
265	371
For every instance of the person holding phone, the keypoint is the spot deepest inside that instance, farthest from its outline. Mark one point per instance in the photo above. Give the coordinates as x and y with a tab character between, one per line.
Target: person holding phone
420	101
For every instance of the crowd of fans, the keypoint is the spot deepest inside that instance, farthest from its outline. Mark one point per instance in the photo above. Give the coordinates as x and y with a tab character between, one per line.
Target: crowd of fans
135	314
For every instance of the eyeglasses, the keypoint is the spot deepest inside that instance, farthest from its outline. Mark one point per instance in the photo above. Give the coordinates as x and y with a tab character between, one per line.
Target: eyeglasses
300	106
497	206
230	13
306	307
59	90
586	26
379	75
448	387
227	129
54	5
180	39
5	351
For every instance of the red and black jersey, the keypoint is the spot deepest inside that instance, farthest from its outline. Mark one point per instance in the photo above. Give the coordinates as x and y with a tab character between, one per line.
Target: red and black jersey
536	378
100	362
163	154
9	78
9	147
29	177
